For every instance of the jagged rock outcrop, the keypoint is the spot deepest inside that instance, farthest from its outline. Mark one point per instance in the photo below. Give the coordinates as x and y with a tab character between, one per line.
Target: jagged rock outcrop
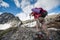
19	34
1	31
54	27
55	23
6	17
7	33
9	20
57	19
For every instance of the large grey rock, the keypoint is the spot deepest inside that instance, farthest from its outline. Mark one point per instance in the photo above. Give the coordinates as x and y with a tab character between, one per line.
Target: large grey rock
19	34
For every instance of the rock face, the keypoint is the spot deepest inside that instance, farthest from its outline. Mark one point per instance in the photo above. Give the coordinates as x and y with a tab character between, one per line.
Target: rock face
5	17
55	23
8	20
19	34
57	18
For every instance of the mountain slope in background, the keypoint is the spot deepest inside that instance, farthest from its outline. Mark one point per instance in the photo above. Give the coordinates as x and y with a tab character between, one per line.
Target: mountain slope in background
6	17
8	20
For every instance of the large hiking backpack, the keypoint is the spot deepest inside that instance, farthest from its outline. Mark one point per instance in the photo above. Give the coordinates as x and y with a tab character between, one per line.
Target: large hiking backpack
37	10
40	11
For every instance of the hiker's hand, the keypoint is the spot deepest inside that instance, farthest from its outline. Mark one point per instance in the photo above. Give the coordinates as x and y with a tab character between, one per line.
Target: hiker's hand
31	15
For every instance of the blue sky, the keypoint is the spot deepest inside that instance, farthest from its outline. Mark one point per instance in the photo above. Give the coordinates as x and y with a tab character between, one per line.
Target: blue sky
12	7
56	9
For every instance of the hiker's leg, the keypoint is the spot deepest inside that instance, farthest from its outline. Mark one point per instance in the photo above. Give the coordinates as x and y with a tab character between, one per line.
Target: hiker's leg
42	21
37	24
44	27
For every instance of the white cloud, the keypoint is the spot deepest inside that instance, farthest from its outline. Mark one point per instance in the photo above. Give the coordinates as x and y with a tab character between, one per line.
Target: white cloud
47	4
0	13
22	16
25	3
4	4
53	13
17	3
25	14
21	4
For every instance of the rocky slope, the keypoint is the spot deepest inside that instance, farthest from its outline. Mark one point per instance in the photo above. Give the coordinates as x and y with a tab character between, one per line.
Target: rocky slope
55	23
21	34
27	33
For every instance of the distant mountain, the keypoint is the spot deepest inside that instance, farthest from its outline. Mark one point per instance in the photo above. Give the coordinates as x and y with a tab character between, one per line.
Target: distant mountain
5	17
8	20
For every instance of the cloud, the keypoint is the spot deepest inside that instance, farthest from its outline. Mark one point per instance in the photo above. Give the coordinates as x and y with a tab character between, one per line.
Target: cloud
53	13
17	3
47	4
0	13
21	4
25	14
25	3
4	4
22	16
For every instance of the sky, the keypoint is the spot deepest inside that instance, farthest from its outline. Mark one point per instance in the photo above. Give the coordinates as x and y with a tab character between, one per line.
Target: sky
22	8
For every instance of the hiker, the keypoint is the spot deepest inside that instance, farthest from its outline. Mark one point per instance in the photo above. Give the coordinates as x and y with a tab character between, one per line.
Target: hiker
39	15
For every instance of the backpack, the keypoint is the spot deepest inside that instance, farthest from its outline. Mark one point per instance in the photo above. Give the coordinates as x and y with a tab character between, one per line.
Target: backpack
40	11
37	10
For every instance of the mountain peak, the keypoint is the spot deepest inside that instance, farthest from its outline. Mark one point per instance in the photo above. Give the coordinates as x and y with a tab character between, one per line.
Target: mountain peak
5	17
